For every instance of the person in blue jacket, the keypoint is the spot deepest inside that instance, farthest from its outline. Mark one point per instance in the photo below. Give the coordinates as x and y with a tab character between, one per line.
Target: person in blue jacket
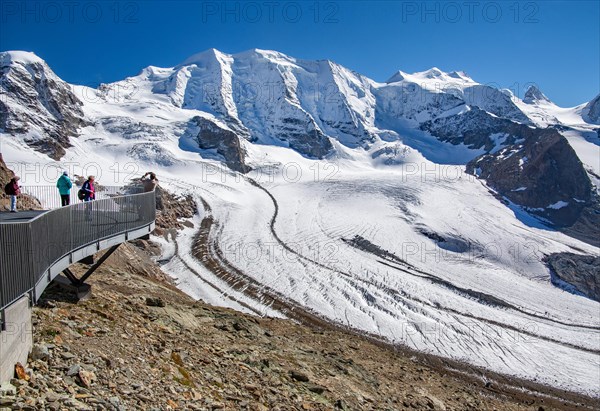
64	185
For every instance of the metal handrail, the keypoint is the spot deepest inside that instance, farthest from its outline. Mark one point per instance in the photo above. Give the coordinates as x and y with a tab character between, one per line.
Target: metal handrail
49	196
28	249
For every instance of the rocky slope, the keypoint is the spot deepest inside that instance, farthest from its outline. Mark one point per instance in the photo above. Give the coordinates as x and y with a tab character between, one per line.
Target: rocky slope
577	273
25	202
37	105
591	111
139	343
209	136
539	171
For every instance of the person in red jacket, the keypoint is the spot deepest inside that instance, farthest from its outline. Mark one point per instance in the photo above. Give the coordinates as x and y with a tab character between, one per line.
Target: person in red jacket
12	189
89	189
89	194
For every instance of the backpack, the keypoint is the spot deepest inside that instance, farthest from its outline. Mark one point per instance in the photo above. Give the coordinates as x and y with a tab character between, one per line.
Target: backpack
8	188
81	194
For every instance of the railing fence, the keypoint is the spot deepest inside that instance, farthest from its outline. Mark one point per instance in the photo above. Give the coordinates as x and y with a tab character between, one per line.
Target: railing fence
49	197
28	249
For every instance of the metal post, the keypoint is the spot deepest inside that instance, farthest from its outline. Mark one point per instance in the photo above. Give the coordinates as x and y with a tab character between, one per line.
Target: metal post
99	263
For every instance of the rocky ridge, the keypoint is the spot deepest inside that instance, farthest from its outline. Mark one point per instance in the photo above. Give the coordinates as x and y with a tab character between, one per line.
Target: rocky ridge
539	171
38	105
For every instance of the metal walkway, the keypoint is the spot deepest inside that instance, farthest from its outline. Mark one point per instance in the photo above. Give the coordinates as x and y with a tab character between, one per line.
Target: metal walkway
36	246
8	217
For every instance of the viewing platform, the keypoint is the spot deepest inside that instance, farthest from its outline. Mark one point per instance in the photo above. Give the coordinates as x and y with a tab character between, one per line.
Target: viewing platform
36	246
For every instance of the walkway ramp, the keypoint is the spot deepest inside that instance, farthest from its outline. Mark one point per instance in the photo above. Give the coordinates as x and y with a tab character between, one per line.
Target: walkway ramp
37	246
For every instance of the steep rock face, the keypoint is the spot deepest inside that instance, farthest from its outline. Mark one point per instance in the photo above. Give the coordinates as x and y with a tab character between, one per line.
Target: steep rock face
37	104
305	138
586	226
226	143
591	112
582	272
534	95
267	97
475	128
540	172
205	82
5	173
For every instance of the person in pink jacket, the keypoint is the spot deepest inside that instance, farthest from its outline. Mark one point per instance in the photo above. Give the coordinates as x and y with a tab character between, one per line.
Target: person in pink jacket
12	189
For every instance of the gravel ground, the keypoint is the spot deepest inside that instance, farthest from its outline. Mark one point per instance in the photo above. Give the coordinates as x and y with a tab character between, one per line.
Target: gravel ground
139	343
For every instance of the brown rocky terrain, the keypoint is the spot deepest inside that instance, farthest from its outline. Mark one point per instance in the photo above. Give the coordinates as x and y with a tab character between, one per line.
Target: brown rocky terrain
543	174
25	202
172	211
139	343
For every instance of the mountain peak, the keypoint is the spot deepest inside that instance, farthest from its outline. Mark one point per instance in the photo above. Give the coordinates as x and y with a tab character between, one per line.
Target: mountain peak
459	75
433	72
202	57
397	76
533	95
271	55
24	57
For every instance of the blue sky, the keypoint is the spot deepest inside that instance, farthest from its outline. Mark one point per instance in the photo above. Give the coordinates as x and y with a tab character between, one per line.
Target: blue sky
554	44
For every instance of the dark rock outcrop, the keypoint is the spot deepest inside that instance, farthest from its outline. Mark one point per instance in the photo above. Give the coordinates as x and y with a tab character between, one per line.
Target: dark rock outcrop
225	142
582	272
305	138
534	95
586	228
35	101
591	112
172	209
539	171
475	129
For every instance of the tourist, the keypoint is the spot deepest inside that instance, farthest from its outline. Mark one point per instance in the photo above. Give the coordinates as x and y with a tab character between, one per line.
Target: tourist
12	189
64	185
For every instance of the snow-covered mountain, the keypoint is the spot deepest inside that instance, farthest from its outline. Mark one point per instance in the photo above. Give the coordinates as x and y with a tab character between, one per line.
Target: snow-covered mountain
348	197
270	98
37	105
226	101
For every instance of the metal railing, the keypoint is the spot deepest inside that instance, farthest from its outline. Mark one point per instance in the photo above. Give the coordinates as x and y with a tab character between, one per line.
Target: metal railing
28	249
49	197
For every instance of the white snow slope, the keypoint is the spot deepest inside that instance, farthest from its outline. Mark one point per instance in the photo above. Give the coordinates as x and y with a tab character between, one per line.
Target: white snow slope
351	237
